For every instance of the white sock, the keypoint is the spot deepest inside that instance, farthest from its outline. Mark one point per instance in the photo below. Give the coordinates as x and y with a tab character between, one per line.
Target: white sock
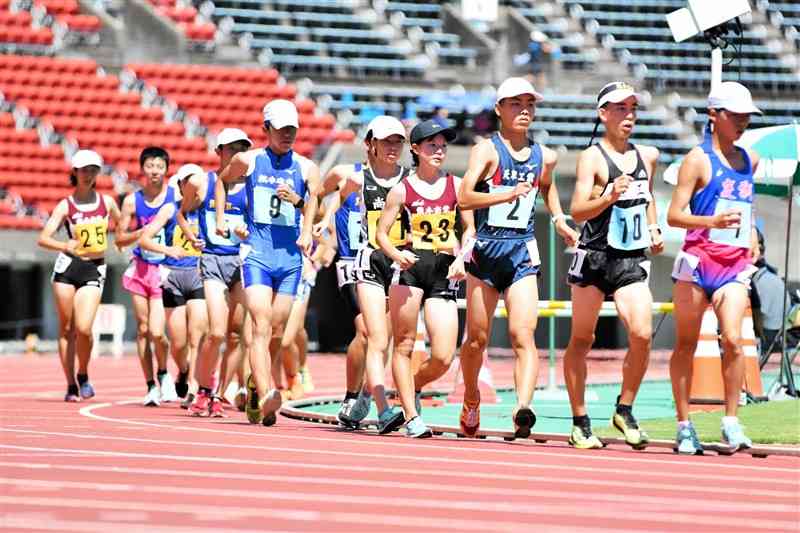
682	424
728	420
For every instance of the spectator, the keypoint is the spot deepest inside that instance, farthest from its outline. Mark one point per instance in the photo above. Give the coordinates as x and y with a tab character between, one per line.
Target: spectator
538	57
441	116
766	298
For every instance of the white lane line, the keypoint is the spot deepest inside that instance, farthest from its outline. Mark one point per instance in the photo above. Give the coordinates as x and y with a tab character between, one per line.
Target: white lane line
517	451
531	508
352	468
35	522
524	463
418	487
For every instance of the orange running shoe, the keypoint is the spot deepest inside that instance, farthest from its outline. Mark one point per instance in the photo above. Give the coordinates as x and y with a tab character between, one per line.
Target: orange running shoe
470	419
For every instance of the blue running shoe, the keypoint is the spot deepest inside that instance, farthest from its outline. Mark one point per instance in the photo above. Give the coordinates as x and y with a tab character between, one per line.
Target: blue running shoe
733	435
360	409
389	420
344	413
87	391
686	442
416	429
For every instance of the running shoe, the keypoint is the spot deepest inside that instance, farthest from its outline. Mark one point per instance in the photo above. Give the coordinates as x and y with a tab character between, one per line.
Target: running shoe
635	437
524	419
168	392
361	407
470	419
71	397
252	409
416	429
181	388
215	409
152	398
418	402
305	379
686	441
201	406
240	400
86	390
187	401
269	407
583	439
344	413
389	420
733	435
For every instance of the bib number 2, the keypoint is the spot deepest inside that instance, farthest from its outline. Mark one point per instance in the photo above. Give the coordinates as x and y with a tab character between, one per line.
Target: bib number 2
514	214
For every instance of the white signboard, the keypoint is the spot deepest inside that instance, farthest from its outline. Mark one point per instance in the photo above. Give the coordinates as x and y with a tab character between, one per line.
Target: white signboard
479	10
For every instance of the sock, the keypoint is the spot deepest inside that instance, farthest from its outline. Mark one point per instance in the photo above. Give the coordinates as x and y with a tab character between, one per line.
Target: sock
624	409
581	421
728	420
418	391
83	378
151	384
161	374
683	424
72	389
183	376
350	395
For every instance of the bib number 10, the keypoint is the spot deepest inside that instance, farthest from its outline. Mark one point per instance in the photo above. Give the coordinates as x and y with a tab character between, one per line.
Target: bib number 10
626	228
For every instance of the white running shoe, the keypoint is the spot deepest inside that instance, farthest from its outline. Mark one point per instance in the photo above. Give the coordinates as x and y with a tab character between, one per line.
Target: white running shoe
153	398
168	392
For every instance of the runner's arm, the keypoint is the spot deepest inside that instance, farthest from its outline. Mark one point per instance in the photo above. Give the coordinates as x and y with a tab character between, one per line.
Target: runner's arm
125	237
46	239
482	159
161	219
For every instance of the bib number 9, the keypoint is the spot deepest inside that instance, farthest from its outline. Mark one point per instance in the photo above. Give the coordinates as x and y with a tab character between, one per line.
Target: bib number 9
268	208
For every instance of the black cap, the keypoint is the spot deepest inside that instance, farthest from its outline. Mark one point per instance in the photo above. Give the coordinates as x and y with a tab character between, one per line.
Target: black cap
430	128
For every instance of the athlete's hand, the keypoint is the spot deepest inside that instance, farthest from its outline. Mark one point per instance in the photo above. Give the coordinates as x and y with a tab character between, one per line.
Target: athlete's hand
304	243
241	232
72	246
727	219
198	243
522	189
406	259
318	229
176	252
620	186
457	270
287	194
569	235
656	242
222	230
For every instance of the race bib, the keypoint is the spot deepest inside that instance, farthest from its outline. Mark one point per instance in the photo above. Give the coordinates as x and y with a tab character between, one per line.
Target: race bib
179	239
354	233
684	266
514	214
345	272
268	208
627	228
576	267
62	263
233	221
434	231
147	255
397	233
738	237
92	237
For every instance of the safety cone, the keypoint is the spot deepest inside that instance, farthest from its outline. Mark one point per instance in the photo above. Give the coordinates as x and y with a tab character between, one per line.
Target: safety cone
707	384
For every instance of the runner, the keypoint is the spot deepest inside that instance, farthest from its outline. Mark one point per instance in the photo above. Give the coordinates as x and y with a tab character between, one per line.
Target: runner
183	296
79	272
614	197
373	271
143	277
430	267
503	177
220	271
272	261
714	266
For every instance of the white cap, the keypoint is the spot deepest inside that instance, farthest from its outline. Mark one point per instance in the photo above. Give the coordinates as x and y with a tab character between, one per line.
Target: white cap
86	158
515	87
189	169
732	96
281	113
231	135
615	92
384	126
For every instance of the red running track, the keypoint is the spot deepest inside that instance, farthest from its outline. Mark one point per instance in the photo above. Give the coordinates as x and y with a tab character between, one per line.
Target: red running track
112	465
